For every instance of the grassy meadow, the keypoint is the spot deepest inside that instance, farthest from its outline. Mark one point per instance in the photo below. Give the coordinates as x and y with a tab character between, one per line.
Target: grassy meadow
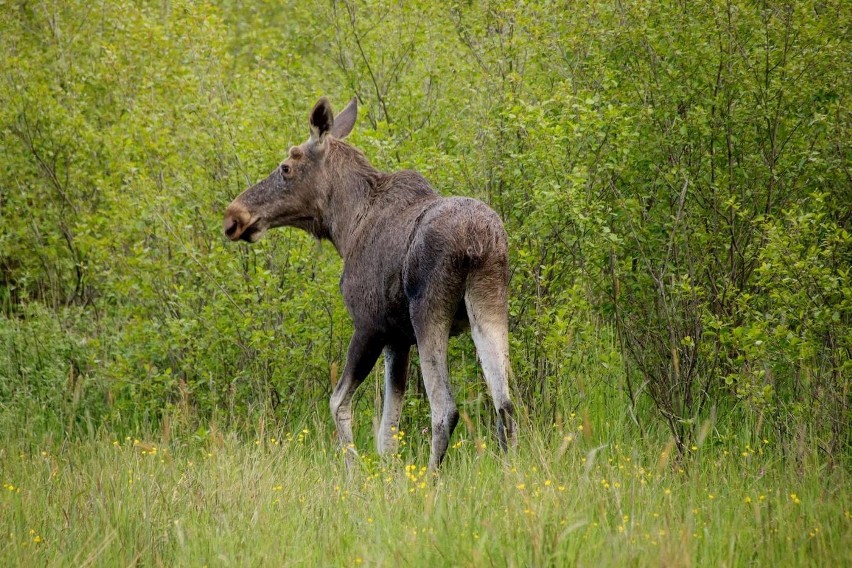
573	493
591	487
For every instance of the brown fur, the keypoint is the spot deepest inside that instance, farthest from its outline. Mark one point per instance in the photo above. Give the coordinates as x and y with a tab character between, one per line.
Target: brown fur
417	267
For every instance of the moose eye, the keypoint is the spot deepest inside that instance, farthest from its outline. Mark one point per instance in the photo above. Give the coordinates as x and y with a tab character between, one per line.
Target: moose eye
285	169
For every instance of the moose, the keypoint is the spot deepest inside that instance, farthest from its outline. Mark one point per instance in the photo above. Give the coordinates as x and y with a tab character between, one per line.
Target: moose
417	268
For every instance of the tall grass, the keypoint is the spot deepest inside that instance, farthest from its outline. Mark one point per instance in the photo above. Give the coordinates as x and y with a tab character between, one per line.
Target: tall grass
586	486
568	496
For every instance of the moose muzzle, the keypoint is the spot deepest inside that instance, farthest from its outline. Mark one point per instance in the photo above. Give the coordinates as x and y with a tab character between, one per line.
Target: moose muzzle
238	222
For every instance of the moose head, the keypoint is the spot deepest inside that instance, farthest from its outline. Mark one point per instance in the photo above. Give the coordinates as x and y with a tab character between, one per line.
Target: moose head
297	192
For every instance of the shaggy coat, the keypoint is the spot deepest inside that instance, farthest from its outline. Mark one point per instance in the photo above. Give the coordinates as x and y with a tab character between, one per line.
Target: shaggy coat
417	267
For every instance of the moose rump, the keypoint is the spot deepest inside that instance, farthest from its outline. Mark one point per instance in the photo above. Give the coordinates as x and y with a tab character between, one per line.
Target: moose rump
417	267
455	275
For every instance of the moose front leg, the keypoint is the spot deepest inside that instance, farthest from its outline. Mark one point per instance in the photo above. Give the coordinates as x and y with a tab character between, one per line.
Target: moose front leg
363	352
396	375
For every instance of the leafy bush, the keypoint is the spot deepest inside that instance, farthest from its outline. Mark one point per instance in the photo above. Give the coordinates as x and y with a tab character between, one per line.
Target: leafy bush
673	179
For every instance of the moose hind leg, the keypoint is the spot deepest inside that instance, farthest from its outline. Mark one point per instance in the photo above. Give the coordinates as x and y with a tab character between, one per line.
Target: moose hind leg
485	299
432	328
396	374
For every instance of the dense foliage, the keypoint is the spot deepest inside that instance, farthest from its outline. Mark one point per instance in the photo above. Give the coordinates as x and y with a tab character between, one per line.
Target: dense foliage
674	178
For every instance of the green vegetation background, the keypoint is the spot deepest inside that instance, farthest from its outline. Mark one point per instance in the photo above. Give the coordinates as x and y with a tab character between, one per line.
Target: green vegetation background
674	178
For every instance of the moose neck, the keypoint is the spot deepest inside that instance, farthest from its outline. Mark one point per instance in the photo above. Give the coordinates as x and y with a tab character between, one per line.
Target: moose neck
351	182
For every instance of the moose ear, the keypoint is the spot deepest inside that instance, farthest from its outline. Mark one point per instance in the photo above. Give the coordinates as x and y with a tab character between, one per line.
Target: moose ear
322	120
344	121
